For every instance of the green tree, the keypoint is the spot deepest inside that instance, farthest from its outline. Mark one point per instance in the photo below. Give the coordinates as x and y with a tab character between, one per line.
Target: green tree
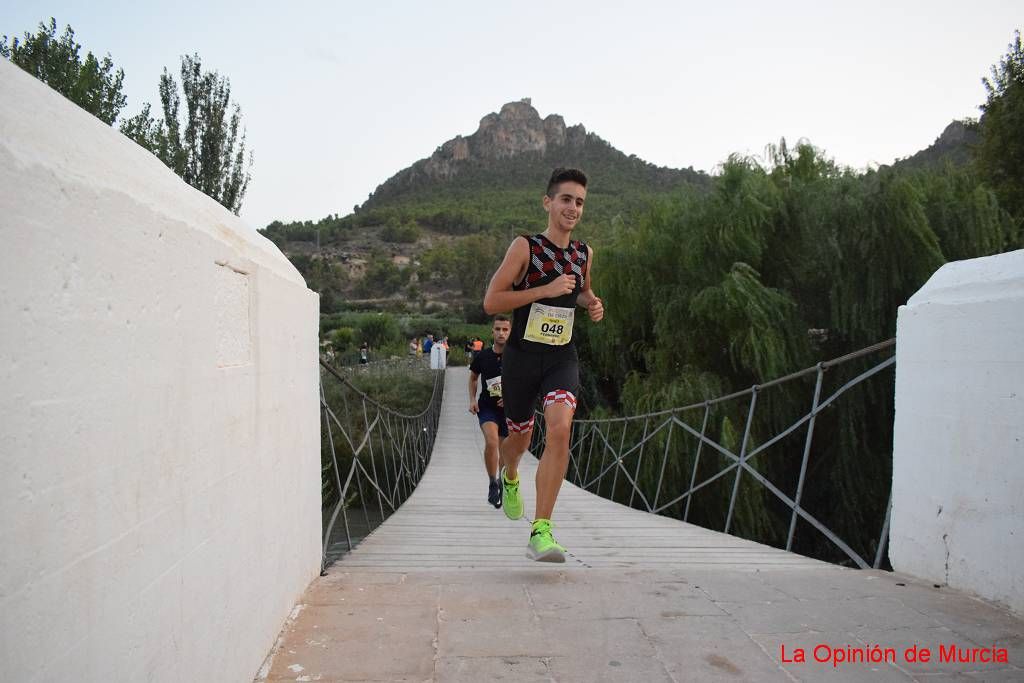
379	330
1000	155
92	84
383	278
476	257
407	233
205	144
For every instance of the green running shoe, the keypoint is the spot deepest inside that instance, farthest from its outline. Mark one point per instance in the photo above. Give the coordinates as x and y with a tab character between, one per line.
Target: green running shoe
542	547
511	500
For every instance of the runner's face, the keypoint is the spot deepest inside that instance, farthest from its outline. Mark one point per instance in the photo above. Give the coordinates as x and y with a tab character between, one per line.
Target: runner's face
565	209
501	330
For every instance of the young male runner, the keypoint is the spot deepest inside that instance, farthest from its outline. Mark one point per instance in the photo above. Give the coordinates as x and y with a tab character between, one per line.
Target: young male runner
488	407
542	279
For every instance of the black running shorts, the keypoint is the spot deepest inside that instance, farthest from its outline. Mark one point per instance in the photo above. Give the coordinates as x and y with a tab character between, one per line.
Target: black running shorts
525	377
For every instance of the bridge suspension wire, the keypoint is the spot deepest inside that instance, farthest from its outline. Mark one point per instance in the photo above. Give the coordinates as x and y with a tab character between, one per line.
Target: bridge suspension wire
595	452
372	456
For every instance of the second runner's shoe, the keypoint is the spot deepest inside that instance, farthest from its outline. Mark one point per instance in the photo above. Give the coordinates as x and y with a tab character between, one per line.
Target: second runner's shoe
511	499
494	493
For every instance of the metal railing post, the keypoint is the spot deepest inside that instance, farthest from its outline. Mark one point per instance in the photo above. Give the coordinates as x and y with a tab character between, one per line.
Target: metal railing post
664	460
618	458
639	457
807	453
696	459
743	457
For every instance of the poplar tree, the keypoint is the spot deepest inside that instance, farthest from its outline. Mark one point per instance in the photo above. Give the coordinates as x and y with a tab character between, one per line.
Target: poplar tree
1000	156
202	141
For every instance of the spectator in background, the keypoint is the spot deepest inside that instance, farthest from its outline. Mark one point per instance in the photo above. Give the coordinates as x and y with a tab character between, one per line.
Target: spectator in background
364	354
473	348
414	347
428	342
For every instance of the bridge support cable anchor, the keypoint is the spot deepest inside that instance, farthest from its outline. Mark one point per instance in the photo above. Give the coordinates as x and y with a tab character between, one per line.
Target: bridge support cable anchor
883	539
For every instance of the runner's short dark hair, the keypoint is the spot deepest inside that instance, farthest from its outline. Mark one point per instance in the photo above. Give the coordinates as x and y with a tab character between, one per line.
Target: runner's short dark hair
502	317
565	175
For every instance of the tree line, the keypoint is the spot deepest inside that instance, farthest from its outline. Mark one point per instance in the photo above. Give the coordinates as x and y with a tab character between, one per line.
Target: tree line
203	141
789	261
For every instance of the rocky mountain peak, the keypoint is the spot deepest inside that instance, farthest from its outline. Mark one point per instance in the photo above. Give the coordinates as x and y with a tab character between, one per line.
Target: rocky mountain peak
516	129
515	147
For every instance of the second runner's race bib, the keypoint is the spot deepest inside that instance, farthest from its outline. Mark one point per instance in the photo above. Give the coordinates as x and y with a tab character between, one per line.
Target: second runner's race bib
494	387
549	325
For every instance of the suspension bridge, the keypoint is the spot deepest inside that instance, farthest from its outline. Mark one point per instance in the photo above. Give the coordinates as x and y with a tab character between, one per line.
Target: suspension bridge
162	512
441	589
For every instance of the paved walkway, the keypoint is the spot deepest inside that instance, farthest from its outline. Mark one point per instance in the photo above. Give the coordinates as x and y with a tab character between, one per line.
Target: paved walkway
443	591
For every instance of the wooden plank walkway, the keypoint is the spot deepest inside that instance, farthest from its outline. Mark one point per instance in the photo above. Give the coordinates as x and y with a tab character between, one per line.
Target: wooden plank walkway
443	591
447	523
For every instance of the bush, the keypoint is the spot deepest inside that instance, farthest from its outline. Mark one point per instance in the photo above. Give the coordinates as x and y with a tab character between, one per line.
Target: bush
342	338
379	330
407	234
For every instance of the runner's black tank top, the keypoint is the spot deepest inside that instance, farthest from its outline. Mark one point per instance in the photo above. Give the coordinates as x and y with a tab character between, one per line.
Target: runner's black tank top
547	262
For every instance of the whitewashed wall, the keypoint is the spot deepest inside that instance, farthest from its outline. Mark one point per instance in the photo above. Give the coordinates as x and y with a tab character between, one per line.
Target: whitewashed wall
159	449
958	452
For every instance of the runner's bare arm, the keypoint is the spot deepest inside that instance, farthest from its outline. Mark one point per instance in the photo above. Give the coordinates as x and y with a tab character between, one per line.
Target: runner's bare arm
501	297
587	298
473	408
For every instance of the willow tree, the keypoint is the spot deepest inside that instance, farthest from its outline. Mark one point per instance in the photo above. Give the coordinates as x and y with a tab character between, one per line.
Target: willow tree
964	213
779	266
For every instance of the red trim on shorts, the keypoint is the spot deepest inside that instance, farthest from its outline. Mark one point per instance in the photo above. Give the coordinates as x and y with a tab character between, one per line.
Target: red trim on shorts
519	427
560	396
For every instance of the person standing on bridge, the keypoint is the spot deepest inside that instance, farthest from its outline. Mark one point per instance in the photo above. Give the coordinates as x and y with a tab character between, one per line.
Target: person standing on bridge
542	279
488	407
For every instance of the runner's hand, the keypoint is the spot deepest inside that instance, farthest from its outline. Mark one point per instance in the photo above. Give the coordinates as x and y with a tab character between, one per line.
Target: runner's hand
596	310
473	407
563	284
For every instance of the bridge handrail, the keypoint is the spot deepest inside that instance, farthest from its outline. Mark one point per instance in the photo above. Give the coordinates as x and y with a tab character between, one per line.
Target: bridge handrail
370	399
824	365
598	430
389	456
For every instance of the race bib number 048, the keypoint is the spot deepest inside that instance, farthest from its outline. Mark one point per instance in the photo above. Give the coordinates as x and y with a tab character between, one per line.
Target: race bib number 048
549	325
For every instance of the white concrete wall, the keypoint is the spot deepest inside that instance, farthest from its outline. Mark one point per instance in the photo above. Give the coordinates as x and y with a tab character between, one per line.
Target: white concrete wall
958	452
159	449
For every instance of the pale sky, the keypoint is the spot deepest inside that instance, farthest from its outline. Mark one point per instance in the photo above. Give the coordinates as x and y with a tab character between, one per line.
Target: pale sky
338	96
